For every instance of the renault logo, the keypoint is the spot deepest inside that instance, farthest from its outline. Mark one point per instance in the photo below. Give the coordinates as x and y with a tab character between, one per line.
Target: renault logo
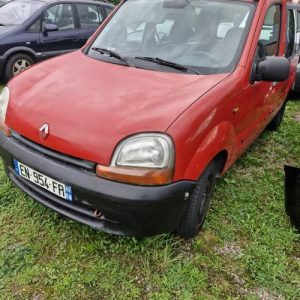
44	131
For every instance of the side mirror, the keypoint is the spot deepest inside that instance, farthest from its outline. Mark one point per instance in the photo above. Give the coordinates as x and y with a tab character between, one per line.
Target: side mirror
271	69
50	27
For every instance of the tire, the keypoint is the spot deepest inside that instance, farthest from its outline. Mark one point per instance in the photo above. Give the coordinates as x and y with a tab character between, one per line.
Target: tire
17	64
198	204
276	121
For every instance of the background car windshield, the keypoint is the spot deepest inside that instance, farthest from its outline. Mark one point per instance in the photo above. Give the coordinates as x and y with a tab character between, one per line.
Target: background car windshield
16	13
204	34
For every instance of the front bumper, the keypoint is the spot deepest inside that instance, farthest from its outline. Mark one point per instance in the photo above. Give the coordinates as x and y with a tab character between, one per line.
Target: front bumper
127	209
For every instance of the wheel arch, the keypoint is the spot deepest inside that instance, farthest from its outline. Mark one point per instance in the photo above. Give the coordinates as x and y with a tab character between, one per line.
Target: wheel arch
222	159
20	50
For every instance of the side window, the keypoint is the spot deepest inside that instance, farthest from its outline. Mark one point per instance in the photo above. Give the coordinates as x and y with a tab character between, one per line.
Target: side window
298	21
290	34
61	15
35	27
270	34
89	15
298	31
108	10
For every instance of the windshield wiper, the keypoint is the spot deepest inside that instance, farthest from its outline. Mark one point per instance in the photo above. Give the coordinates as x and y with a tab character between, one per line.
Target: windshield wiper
167	63
112	54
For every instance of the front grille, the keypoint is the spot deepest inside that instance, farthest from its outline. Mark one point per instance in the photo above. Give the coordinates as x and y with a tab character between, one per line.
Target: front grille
82	164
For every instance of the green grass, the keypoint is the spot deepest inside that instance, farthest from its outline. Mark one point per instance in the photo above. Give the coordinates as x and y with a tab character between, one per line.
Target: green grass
247	248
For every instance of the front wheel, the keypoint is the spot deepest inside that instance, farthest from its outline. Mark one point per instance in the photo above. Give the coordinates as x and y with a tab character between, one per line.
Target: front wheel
17	64
194	216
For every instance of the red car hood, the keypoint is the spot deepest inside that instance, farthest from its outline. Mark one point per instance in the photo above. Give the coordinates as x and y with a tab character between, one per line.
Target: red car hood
91	105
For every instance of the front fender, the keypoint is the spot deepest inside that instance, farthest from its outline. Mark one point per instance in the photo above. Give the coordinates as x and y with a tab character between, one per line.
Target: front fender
220	138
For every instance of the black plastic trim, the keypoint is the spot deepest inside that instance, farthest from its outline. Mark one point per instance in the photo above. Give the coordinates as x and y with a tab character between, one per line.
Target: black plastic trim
53	154
292	194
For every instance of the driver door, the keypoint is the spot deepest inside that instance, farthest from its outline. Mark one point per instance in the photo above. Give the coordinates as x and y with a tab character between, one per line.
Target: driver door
259	99
267	96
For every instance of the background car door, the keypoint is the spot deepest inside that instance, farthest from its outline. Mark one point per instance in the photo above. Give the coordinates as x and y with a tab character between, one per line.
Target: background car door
90	17
67	38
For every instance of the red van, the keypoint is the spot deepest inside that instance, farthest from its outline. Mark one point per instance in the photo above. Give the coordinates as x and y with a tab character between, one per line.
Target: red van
129	134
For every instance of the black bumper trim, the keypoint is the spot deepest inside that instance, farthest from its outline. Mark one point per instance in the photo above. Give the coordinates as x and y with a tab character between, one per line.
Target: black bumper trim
66	209
55	155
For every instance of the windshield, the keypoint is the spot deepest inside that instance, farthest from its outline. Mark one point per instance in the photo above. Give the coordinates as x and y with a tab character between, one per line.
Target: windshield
206	35
17	12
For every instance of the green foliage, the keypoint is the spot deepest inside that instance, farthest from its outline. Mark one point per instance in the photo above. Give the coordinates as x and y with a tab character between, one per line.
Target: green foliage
115	2
247	246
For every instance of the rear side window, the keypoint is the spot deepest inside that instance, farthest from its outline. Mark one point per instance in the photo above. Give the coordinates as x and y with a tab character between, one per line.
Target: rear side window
270	33
89	15
290	34
61	15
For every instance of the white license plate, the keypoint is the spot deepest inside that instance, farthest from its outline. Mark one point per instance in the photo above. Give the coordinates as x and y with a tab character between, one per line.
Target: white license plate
55	187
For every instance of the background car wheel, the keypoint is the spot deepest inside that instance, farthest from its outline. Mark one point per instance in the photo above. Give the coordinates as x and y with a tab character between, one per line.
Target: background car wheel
17	64
198	203
276	121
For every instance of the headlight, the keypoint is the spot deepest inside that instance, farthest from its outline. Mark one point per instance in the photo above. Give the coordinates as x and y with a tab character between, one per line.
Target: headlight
4	98
145	159
145	151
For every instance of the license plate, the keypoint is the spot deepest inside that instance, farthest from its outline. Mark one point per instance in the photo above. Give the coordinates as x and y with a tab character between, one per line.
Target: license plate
55	187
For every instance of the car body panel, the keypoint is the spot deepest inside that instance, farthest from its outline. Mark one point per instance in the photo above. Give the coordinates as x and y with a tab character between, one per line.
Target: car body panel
88	110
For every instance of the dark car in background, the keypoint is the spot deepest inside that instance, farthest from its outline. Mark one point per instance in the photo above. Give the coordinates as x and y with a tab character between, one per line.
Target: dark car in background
34	30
